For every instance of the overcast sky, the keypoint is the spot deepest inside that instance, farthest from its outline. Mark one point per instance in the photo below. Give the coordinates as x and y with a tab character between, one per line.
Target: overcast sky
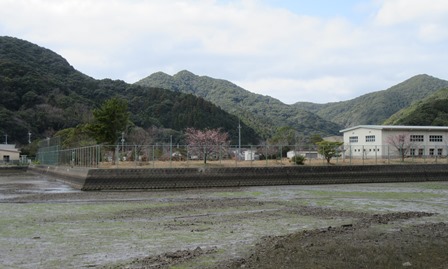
315	50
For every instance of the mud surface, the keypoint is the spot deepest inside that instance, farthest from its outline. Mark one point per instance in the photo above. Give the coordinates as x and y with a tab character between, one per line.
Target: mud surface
46	224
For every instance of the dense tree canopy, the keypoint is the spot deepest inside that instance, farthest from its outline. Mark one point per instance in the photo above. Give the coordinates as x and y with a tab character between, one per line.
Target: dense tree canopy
110	121
329	149
41	93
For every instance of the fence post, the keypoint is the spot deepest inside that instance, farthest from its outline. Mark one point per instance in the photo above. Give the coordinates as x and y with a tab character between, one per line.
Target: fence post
188	155
281	155
363	154
266	155
376	154
98	155
153	153
388	154
424	154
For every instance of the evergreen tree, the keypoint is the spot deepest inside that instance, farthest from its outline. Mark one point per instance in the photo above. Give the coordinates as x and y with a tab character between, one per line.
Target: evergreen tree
110	120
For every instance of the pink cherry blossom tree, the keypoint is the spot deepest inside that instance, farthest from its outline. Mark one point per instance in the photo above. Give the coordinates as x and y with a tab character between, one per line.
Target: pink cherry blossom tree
207	143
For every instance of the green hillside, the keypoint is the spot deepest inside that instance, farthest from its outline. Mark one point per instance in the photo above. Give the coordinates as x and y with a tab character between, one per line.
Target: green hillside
40	92
263	113
431	111
376	107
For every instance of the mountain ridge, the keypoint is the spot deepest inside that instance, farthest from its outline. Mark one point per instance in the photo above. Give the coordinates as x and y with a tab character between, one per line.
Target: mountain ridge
431	111
378	106
41	93
261	112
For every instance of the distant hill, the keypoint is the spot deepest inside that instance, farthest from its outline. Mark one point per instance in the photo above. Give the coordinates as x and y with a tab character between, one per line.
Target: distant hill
431	111
376	107
263	113
41	93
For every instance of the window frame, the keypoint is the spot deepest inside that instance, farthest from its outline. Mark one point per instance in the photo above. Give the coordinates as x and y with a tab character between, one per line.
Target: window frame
417	138
436	138
353	139
370	138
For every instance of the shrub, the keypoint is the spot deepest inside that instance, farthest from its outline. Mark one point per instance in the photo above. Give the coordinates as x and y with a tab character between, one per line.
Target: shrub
298	159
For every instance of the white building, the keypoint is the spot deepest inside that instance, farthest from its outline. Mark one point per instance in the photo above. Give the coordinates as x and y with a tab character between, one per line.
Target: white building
388	140
308	154
251	155
9	153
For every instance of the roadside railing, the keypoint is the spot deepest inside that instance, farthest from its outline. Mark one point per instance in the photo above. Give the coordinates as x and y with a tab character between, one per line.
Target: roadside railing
172	156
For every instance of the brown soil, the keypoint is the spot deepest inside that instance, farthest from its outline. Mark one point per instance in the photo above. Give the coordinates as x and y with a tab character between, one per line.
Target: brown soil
353	246
339	226
357	245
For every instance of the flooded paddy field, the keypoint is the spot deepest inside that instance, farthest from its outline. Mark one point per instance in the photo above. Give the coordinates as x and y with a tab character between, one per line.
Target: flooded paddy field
46	224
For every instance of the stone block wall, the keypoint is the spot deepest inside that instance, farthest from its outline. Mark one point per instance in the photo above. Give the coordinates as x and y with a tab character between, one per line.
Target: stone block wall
169	178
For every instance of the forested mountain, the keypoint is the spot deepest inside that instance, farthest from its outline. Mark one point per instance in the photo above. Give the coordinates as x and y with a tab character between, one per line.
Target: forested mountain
376	107
431	111
263	113
41	93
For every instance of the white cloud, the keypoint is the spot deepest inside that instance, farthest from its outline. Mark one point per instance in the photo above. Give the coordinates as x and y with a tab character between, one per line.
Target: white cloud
410	11
319	90
265	48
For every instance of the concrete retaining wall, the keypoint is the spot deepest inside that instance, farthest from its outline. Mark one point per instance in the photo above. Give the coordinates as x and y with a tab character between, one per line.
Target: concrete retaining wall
166	178
74	176
12	169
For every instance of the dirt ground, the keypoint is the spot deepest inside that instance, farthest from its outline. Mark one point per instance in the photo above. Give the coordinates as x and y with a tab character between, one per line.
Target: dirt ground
47	224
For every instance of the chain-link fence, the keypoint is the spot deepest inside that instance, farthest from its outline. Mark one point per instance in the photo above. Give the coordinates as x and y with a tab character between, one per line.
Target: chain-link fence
171	156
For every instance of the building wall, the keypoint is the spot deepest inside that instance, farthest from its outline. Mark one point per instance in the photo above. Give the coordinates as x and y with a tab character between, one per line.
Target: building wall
374	142
13	155
363	142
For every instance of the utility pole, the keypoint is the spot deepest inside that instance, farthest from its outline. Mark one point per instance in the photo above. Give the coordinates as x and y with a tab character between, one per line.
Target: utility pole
122	143
239	139
29	137
171	149
6	139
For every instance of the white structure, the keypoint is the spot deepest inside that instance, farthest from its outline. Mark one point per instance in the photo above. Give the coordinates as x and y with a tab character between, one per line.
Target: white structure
305	153
377	140
251	155
9	153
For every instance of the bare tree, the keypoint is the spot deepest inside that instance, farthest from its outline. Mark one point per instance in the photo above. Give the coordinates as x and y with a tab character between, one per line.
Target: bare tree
402	142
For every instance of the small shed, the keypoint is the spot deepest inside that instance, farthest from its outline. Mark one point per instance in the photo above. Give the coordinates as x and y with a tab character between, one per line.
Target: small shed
9	153
251	155
305	153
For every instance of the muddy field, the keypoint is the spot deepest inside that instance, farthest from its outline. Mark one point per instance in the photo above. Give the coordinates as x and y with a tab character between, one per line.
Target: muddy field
46	224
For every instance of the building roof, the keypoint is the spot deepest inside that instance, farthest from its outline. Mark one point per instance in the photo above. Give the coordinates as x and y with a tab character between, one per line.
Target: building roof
8	148
397	127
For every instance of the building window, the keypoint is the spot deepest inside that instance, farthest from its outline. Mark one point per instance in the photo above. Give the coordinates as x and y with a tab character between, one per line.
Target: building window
412	152
436	138
420	152
439	152
431	152
370	138
417	138
353	139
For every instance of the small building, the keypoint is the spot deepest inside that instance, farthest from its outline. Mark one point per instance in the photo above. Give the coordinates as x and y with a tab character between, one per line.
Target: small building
308	154
9	153
389	140
251	155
